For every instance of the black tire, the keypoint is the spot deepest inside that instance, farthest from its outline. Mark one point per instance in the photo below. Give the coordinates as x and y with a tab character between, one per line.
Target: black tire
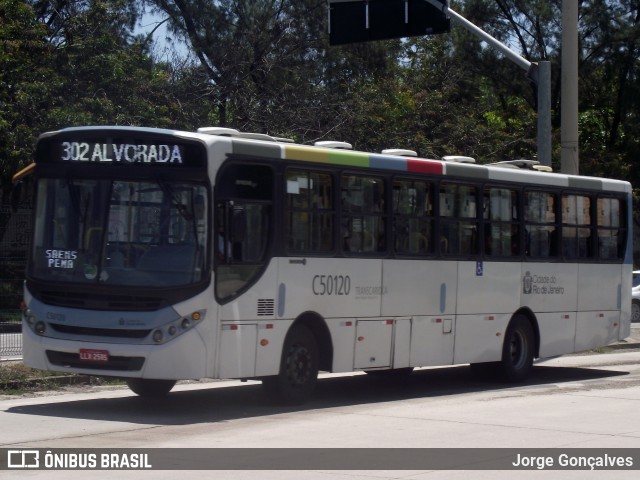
298	369
146	387
635	311
517	350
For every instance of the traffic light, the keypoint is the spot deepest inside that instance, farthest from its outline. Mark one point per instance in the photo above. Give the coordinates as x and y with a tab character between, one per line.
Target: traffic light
365	20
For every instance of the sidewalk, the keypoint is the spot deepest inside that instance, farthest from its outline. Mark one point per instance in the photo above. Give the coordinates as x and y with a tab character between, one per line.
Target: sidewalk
632	341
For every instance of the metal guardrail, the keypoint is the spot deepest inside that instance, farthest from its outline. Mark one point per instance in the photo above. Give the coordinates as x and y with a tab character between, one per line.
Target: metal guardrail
15	231
10	340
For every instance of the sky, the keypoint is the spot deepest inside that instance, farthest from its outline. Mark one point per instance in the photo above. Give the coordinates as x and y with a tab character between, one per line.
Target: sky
166	45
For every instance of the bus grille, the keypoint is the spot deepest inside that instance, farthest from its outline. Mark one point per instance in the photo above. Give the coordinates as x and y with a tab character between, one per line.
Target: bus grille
101	301
100	332
266	307
122	364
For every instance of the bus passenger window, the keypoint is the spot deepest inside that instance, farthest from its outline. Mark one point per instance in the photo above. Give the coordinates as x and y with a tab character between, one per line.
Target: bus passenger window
413	217
309	216
576	226
363	214
540	224
459	224
501	228
611	231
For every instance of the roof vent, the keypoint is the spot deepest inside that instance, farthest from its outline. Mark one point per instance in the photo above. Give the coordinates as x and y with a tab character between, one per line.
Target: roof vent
522	163
225	132
256	136
458	159
232	132
400	152
334	144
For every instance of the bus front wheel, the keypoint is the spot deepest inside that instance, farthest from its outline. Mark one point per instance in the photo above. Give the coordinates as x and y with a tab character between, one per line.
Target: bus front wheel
146	387
298	368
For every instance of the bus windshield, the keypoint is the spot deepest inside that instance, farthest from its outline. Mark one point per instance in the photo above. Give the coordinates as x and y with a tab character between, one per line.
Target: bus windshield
118	232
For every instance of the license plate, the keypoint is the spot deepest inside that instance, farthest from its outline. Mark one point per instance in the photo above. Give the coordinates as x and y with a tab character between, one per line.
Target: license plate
91	355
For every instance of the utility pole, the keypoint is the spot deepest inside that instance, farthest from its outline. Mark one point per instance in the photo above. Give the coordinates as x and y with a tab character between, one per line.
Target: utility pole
569	159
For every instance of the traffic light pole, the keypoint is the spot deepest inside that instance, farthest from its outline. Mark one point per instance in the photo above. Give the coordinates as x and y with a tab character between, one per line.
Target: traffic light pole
539	73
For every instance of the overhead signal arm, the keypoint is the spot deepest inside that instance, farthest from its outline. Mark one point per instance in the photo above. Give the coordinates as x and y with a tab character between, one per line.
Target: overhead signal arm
352	21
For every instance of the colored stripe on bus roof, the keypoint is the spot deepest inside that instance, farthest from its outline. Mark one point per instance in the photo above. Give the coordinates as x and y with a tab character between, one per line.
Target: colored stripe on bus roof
333	157
359	159
424	166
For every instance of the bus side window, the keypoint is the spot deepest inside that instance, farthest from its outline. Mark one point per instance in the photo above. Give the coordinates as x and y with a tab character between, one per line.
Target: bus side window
576	226
459	222
363	214
610	228
413	217
540	224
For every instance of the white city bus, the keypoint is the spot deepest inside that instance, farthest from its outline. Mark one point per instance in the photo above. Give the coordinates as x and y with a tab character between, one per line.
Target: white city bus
161	255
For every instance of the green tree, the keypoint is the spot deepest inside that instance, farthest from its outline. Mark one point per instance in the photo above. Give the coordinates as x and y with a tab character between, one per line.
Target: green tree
25	85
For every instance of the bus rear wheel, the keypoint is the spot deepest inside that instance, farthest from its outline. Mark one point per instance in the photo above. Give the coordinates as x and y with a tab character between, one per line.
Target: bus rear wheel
146	387
517	350
298	369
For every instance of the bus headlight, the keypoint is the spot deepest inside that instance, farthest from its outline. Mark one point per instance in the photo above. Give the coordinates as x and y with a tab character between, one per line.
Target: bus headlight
40	328
158	336
31	320
177	327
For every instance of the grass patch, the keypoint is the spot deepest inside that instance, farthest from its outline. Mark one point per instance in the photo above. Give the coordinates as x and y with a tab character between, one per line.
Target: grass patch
16	379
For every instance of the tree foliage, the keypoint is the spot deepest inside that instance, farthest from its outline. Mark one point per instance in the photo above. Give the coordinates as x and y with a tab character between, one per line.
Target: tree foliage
266	66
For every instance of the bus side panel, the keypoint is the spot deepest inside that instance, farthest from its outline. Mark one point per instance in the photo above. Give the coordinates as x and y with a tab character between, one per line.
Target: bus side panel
251	349
249	305
488	294
237	358
270	342
489	287
557	333
331	287
419	287
401	343
373	343
550	287
599	287
595	329
479	338
625	301
432	340
343	337
599	303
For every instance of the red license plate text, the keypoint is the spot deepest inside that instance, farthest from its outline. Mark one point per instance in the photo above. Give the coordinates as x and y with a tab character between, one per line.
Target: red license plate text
91	355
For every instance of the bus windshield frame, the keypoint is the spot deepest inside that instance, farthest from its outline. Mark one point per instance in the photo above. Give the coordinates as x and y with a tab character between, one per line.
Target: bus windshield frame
126	233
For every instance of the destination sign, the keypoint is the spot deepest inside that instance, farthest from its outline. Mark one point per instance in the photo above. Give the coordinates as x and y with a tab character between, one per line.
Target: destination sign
122	153
160	151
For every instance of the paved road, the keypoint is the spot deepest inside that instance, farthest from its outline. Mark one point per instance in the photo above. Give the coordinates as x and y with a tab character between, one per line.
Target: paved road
586	401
